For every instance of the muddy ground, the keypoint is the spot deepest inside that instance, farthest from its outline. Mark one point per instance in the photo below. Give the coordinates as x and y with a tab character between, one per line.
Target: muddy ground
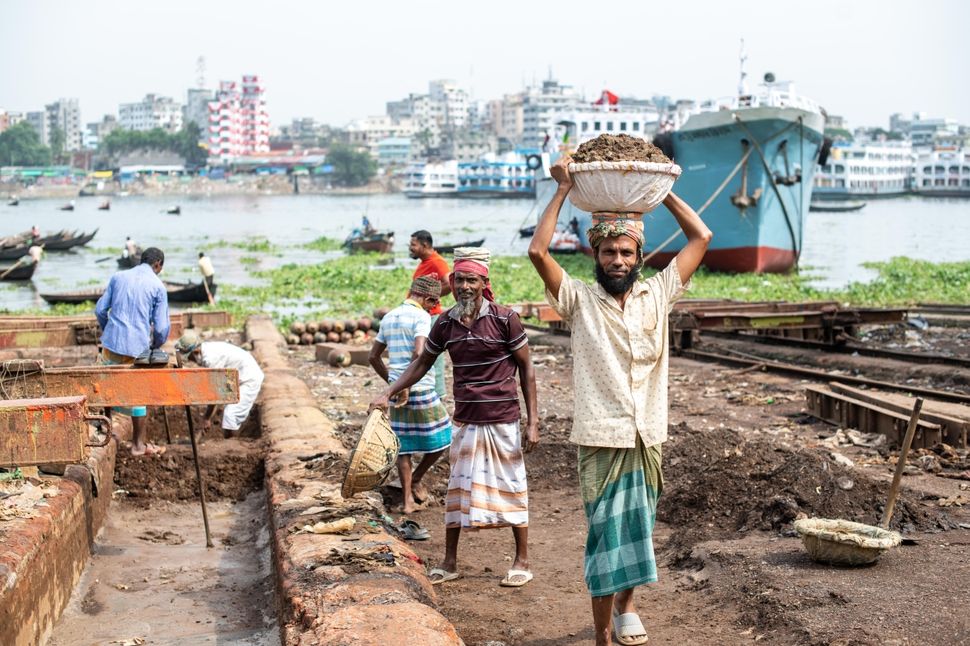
743	461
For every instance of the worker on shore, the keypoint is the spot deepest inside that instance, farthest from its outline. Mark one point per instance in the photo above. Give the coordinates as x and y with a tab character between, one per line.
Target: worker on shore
208	271
34	235
421	423
421	247
488	346
219	354
620	347
133	315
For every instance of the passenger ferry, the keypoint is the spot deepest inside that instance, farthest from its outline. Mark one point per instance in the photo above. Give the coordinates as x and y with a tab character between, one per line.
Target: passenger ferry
943	172
431	179
870	169
748	164
512	175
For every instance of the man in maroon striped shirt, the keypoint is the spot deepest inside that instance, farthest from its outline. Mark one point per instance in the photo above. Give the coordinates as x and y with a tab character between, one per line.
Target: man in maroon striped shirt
488	347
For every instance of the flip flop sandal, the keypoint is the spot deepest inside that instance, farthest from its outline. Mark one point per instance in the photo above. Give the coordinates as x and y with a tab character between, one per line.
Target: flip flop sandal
629	629
516	578
411	531
443	575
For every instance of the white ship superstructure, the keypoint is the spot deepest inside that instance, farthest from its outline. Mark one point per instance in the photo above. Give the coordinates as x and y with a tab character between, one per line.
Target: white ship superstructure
432	179
876	169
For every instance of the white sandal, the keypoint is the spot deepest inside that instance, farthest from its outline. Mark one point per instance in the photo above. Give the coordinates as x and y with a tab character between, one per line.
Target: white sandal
629	629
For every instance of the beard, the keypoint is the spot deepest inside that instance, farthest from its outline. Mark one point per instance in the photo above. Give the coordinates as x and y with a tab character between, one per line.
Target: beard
466	307
621	285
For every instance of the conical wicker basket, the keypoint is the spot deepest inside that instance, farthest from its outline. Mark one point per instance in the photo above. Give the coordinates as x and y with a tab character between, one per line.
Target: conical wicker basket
373	457
842	542
621	187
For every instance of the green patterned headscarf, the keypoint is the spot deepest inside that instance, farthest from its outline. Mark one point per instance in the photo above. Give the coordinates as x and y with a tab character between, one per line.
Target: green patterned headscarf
614	225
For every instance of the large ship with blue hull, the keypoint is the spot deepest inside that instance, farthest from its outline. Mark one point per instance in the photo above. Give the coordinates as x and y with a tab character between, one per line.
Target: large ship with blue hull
748	165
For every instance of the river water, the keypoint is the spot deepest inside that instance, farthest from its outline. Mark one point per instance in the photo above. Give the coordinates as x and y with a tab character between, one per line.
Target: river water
836	244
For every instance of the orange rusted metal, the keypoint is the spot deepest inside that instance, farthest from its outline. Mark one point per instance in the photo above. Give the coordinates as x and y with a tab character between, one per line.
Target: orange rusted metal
42	431
135	386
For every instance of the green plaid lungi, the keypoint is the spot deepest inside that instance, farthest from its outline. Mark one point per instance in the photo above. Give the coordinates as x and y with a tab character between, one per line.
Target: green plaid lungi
620	488
423	424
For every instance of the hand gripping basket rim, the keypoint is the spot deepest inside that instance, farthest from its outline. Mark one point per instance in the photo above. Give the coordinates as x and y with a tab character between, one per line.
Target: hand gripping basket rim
377	442
647	167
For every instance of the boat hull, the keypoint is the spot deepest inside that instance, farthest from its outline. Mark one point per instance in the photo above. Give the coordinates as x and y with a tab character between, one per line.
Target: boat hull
765	237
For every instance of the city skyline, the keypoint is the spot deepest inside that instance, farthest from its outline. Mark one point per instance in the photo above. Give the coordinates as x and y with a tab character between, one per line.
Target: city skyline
128	51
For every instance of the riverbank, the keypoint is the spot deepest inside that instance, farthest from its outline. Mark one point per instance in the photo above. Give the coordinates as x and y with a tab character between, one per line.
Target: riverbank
188	186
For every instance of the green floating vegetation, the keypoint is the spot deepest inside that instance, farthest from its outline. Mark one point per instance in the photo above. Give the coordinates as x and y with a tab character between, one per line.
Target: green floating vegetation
249	260
324	244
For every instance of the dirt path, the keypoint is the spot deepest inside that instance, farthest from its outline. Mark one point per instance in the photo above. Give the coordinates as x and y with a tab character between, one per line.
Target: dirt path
151	577
743	460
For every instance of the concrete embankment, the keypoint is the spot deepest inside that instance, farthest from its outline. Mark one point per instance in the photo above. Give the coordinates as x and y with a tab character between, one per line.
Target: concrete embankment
371	589
42	557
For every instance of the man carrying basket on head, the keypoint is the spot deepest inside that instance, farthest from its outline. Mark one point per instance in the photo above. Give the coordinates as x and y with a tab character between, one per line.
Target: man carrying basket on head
619	339
488	346
421	423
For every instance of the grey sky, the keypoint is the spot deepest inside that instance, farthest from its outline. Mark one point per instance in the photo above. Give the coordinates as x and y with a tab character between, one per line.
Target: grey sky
336	61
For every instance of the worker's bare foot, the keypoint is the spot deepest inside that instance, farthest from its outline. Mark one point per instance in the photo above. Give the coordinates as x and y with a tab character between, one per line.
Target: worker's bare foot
420	492
226	433
147	449
410	506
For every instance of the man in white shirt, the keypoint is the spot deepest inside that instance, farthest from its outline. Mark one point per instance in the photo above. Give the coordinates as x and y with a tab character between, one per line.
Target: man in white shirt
208	271
620	347
218	354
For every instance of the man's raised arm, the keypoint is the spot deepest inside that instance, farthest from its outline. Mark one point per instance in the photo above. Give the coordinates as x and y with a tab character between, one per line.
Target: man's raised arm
698	236
549	270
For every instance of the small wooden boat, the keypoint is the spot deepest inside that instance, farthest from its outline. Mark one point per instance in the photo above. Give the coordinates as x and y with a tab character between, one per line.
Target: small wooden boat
127	262
449	249
527	232
105	206
14	252
88	190
68	207
836	206
379	242
174	210
69	241
13	201
177	293
23	272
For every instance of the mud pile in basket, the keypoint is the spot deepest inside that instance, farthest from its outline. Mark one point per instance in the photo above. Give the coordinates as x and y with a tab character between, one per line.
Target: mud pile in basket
612	148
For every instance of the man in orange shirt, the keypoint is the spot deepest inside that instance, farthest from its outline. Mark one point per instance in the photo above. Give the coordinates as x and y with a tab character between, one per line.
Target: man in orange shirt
421	247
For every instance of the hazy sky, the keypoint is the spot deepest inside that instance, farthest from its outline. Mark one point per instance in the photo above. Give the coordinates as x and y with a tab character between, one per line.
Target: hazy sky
336	61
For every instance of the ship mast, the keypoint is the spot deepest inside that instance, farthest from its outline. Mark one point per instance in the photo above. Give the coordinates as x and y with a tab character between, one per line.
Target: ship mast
742	84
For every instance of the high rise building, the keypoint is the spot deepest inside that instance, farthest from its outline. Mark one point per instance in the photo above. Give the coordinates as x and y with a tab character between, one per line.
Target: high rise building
196	108
540	106
38	121
151	112
65	114
238	120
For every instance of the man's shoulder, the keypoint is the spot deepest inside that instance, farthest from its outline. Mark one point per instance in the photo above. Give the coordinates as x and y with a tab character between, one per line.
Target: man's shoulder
501	311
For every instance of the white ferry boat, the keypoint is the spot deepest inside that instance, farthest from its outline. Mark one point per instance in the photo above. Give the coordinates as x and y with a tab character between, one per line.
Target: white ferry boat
943	172
608	115
431	179
875	169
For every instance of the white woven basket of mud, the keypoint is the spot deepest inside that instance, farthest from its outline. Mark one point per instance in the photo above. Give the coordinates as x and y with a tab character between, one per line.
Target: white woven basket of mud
621	187
842	542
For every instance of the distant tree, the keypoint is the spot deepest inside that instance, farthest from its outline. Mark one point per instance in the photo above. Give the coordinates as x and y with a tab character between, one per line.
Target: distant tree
58	139
838	134
20	146
185	142
350	167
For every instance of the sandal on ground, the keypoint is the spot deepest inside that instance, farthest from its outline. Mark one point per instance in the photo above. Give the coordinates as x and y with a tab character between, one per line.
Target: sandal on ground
411	531
150	450
437	575
516	578
629	629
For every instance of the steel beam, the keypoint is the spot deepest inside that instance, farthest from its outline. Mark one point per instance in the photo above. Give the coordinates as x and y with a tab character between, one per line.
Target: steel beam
43	431
130	386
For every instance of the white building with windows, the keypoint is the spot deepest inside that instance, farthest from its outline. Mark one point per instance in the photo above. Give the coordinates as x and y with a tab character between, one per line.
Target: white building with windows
151	112
541	106
582	124
945	171
370	131
877	169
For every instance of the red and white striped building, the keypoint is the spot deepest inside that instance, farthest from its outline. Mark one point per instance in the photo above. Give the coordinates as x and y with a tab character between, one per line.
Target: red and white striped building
238	120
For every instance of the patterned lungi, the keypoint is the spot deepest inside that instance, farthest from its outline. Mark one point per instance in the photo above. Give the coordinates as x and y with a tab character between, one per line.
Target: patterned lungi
422	425
620	488
487	487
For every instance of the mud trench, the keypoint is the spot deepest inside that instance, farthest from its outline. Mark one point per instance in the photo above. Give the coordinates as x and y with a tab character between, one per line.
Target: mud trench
151	576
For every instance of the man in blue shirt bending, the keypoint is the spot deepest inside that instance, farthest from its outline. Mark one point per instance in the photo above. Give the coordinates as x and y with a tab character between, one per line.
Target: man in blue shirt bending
133	315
